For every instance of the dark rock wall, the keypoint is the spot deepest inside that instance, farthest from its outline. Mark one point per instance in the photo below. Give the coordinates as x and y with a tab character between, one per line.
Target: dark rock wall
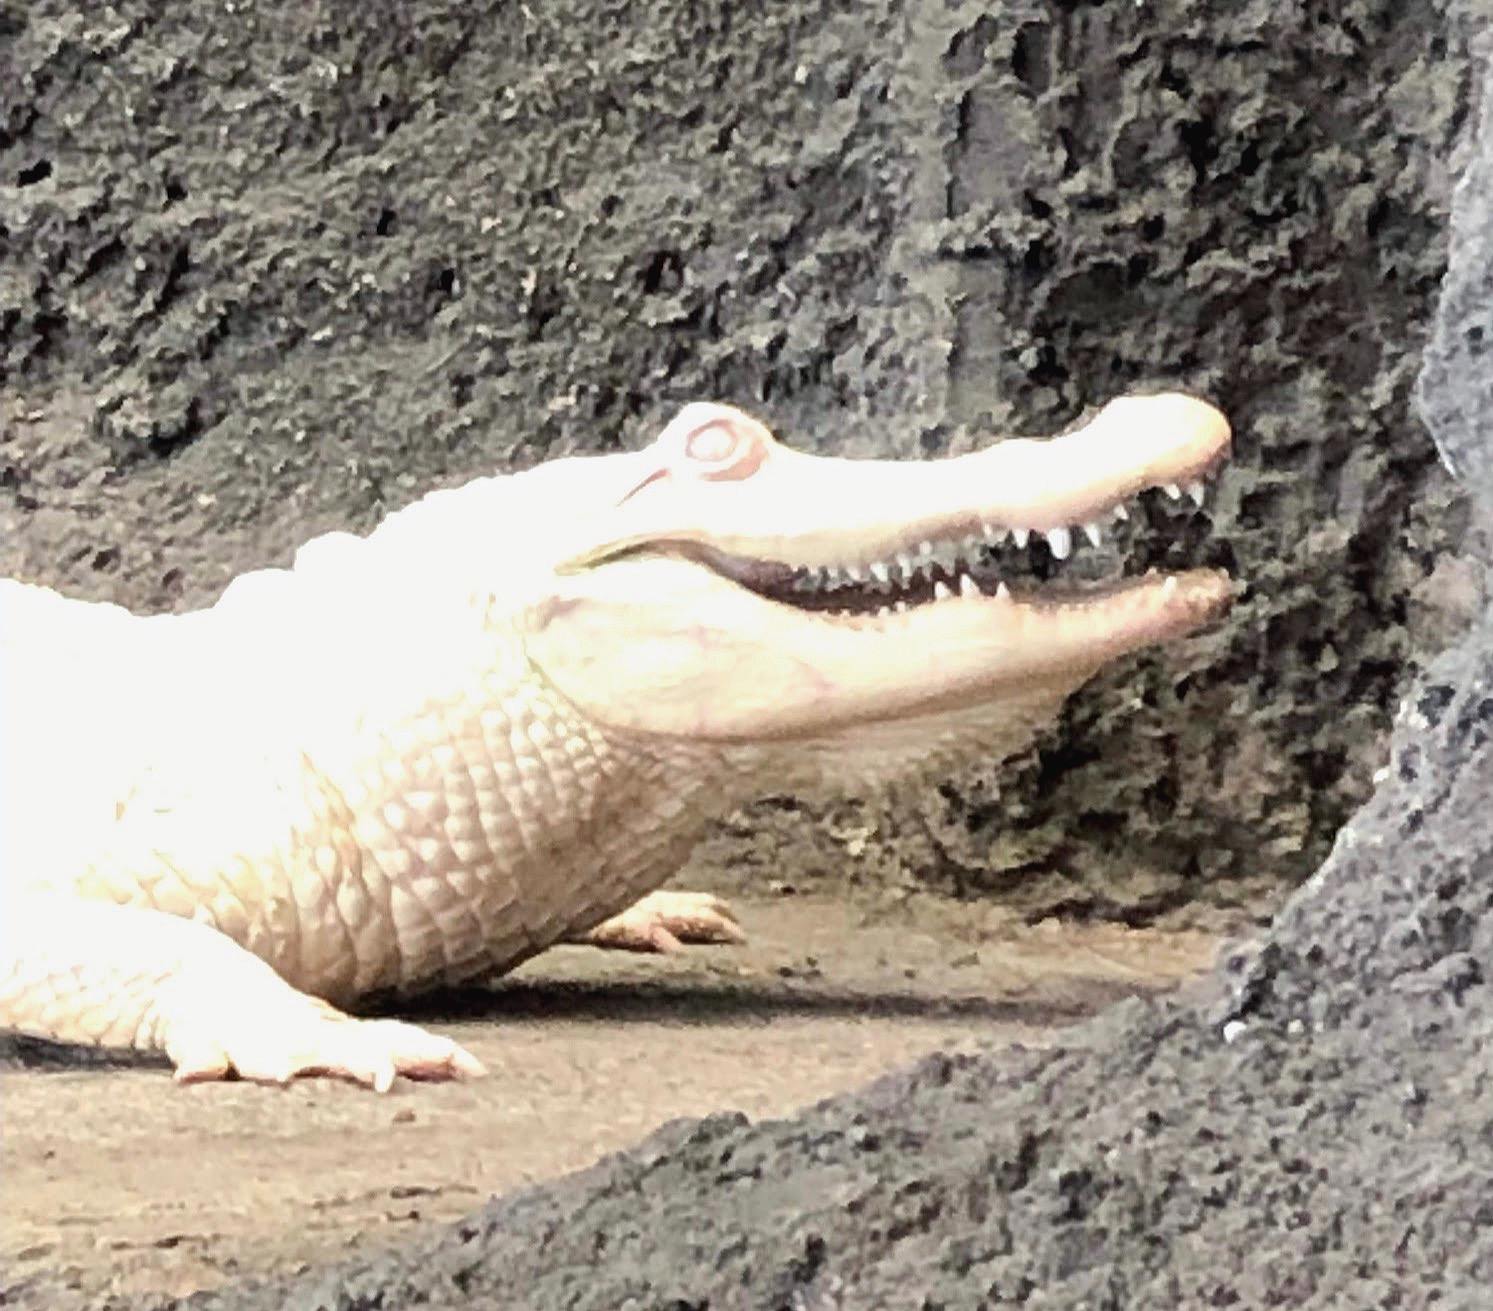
270	268
1248	200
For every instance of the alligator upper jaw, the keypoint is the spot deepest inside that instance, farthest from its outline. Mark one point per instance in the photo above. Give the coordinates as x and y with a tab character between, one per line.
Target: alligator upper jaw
867	518
957	530
856	514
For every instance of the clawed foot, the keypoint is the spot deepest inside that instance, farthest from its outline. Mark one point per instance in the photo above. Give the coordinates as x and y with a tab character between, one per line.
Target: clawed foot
319	1041
665	922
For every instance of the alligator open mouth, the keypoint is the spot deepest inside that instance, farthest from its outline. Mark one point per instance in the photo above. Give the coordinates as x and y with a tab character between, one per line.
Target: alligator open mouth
1160	528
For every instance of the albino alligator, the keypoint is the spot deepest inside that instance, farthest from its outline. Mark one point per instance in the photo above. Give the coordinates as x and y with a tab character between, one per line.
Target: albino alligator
504	716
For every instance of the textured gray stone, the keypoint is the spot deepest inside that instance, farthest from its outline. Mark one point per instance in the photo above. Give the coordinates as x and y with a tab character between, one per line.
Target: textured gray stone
1455	392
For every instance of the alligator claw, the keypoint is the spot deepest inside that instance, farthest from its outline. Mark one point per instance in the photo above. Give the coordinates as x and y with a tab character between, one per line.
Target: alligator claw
665	921
323	1041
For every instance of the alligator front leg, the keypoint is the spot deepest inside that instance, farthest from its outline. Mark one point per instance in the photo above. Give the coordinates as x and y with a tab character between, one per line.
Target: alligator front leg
124	976
665	921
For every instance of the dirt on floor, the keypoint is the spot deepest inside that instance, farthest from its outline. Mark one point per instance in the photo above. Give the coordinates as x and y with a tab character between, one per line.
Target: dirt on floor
117	1181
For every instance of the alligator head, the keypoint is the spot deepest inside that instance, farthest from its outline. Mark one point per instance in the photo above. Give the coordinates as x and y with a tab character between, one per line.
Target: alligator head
720	586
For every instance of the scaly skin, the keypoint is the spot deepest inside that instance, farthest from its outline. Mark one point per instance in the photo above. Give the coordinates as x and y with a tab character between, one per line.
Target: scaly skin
503	719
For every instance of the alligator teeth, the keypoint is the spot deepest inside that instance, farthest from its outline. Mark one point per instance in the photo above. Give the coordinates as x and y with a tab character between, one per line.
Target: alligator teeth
943	567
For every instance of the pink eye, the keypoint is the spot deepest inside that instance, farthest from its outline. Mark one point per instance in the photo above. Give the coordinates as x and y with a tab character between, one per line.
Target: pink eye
714	443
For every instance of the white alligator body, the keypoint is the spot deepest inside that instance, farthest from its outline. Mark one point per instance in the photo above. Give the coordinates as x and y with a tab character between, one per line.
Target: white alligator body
351	772
356	832
354	777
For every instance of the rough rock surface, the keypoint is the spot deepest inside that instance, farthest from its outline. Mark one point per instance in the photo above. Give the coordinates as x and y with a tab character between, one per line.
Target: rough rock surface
1308	1128
1455	392
266	268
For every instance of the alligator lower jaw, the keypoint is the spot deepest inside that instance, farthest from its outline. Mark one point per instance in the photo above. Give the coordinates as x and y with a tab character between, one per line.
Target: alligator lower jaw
1064	567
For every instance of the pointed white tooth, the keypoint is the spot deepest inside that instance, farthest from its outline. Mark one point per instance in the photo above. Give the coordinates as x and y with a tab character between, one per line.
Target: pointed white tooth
1021	535
880	572
1170	586
1091	531
990	530
1198	493
1060	540
925	548
968	586
1172	490
1121	513
854	573
900	607
905	561
941	591
1002	593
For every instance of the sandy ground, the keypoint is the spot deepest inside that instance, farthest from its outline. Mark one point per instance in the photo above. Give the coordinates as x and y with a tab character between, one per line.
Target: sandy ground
117	1181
